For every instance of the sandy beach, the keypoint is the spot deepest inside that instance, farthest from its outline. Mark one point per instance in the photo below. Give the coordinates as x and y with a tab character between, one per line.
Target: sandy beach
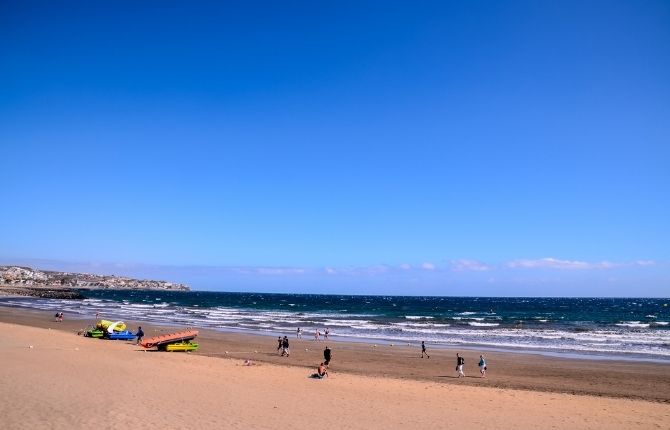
70	381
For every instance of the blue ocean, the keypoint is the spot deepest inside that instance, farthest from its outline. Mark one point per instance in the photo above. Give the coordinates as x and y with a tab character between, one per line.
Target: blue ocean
634	328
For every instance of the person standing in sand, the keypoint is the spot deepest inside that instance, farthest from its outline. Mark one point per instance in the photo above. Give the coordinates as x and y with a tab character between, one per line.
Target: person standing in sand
140	335
298	333
327	355
423	349
317	335
460	362
482	366
279	343
285	350
325	334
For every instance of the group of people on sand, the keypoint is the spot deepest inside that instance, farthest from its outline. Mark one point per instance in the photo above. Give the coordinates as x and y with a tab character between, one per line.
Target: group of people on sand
460	362
59	316
322	369
283	346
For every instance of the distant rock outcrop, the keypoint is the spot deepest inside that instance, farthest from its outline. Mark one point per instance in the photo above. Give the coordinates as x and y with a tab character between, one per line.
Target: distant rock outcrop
34	279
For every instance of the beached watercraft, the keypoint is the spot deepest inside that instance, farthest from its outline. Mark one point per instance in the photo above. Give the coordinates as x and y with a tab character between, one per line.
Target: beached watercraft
120	335
115	325
162	341
94	332
182	346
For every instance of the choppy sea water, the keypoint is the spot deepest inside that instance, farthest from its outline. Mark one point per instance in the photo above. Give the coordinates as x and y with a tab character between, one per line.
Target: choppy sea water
627	328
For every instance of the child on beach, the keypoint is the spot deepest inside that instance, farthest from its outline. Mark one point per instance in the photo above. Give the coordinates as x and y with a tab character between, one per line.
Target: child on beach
482	366
460	361
423	349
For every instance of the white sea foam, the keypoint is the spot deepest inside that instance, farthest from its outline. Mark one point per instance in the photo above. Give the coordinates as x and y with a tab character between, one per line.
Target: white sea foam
417	317
633	324
419	325
481	324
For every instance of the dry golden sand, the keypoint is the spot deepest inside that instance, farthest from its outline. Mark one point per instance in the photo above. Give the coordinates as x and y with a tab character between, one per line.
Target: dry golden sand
68	381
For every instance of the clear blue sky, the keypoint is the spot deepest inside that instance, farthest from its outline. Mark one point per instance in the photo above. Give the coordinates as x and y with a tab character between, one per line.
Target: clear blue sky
489	148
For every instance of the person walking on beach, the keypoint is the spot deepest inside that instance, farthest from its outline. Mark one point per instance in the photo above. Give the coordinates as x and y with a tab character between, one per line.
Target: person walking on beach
280	342
423	349
325	334
460	361
317	335
139	334
327	355
284	344
299	333
482	366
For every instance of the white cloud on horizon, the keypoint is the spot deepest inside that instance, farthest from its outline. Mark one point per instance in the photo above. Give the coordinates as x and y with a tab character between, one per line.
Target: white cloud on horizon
405	269
645	263
554	263
465	265
280	271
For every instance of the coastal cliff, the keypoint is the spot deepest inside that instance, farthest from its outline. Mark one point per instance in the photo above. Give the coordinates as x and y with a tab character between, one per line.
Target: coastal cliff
43	283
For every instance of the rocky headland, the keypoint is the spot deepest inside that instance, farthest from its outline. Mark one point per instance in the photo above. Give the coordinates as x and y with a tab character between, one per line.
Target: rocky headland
27	281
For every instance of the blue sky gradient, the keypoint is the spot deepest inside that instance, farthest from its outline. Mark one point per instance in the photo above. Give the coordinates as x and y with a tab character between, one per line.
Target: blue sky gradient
486	147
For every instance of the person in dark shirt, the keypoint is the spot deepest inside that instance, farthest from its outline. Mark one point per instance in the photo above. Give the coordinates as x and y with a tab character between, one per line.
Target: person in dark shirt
327	355
140	335
280	342
285	350
460	361
423	349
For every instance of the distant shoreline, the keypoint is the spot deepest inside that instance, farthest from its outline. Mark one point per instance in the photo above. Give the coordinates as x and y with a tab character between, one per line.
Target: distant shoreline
36	279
